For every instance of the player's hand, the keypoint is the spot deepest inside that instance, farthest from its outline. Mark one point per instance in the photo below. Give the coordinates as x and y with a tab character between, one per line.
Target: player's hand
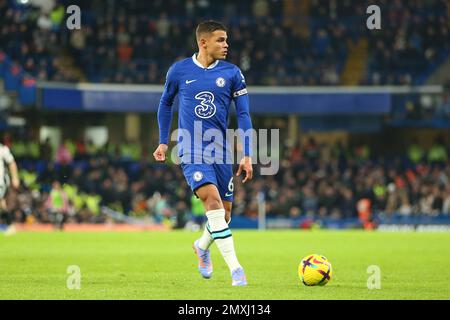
15	183
160	153
246	165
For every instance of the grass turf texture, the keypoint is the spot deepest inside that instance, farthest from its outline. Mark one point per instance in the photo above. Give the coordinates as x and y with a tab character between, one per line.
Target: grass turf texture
162	265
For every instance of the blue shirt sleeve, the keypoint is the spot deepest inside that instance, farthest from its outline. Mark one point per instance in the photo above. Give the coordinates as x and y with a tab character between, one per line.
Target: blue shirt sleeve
240	97
165	105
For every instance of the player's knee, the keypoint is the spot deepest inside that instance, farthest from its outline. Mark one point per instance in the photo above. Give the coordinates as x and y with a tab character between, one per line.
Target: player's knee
213	204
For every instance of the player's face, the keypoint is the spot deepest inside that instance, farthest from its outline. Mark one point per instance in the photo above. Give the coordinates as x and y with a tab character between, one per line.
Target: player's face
216	45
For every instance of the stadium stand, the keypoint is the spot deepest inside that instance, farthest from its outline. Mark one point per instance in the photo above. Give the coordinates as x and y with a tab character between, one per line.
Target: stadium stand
317	181
275	43
136	41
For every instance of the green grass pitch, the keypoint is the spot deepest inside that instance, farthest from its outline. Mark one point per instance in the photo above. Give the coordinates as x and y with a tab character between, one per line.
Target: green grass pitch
162	265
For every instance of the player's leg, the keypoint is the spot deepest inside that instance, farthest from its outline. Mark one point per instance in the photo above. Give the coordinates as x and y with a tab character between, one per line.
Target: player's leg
198	175
6	216
205	241
219	224
60	219
227	205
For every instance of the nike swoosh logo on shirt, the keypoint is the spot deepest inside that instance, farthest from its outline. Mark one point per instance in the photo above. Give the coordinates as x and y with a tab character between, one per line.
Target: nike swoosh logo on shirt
189	81
228	194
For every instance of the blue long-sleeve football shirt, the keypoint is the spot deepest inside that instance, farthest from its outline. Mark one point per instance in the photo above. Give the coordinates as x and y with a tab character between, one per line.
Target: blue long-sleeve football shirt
205	96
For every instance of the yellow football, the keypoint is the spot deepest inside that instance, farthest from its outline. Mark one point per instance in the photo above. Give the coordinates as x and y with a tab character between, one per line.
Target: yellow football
315	270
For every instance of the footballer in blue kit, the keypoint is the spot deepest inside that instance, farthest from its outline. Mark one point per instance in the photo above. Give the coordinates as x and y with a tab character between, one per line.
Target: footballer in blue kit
206	85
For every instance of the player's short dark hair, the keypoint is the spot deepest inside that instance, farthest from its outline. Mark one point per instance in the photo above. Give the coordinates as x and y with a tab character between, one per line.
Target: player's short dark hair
208	27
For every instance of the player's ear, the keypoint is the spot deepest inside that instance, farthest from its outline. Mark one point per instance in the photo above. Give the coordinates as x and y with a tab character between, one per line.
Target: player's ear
203	39
202	42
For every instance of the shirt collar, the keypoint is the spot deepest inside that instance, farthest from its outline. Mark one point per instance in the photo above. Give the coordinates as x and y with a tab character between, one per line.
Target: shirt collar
194	58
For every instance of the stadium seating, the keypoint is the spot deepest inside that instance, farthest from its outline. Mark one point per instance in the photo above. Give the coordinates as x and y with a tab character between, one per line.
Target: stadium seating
306	187
135	42
317	43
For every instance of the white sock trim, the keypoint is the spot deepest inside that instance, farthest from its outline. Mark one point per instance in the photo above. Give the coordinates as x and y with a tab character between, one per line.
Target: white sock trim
205	240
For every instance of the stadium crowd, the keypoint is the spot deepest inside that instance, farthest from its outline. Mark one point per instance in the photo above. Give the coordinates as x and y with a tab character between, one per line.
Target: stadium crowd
136	41
314	180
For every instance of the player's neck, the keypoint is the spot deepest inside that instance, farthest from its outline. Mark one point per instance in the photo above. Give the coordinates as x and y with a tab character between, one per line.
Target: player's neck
205	60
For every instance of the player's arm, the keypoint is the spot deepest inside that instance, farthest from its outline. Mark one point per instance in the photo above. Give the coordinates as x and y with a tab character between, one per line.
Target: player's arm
240	97
165	114
14	175
15	181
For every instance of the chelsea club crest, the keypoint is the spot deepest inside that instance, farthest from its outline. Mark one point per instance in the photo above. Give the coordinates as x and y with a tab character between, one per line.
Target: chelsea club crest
198	176
220	82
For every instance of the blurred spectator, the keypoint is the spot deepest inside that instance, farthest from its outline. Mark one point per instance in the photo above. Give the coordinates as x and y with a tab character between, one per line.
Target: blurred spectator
57	204
197	211
46	150
438	152
163	26
57	16
44	21
260	9
63	155
446	206
415	152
